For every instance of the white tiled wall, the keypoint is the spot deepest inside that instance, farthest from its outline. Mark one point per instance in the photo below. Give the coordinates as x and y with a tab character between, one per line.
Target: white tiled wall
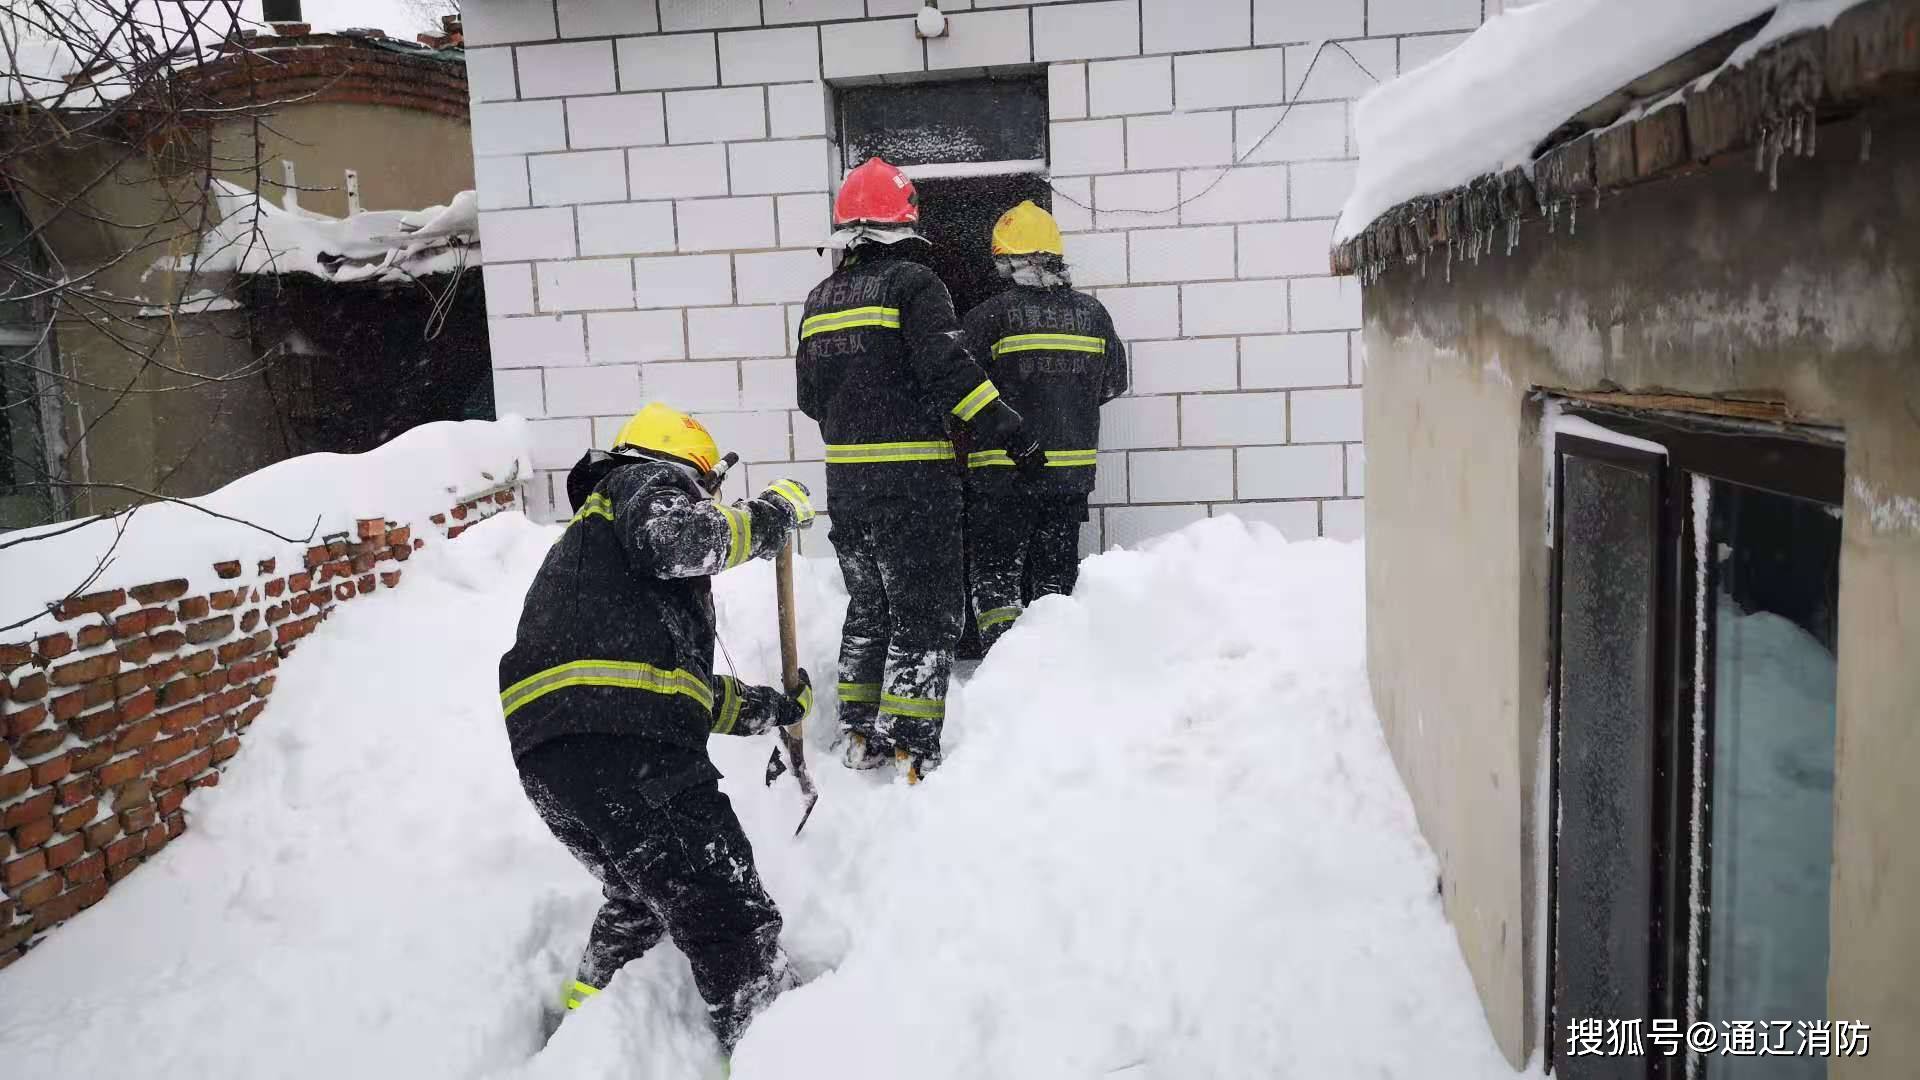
655	175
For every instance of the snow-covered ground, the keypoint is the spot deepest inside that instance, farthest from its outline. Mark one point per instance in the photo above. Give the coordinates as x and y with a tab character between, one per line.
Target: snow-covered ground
1168	843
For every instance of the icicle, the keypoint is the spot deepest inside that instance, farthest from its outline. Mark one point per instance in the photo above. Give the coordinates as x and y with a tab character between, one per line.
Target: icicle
1773	161
1573	217
1799	135
1449	262
1813	132
1760	151
1423	266
1866	145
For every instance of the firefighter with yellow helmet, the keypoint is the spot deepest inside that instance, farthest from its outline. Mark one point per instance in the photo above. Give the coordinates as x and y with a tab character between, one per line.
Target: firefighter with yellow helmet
609	695
1056	358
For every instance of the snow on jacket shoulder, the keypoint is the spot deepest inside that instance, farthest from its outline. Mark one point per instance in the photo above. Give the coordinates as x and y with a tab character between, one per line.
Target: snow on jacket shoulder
616	633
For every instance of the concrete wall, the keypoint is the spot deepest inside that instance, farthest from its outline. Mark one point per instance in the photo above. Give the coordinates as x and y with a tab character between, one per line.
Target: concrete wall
1699	284
406	159
654	177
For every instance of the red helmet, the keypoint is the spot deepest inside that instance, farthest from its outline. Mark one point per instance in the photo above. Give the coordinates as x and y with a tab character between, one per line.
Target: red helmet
879	193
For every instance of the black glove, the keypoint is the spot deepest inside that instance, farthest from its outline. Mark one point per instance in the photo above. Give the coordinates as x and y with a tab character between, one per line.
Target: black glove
793	707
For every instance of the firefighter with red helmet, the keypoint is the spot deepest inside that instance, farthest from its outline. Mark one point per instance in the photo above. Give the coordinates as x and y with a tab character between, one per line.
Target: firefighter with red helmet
883	369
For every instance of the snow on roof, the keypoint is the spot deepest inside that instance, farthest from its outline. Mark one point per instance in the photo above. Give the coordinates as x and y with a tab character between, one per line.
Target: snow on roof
255	236
1485	107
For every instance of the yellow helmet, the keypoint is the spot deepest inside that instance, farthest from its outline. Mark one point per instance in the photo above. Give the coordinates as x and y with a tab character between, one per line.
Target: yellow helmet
1025	230
666	430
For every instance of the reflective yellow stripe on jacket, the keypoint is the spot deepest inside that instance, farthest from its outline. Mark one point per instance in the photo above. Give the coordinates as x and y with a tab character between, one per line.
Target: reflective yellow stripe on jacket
578	993
627	674
739	534
978	398
873	453
729	712
925	708
848	319
1054	342
1056	459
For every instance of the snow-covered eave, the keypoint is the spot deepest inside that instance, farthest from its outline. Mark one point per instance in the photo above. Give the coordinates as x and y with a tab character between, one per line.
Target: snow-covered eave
1769	93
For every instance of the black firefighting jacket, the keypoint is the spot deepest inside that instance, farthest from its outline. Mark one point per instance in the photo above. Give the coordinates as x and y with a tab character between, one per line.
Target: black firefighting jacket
882	368
1055	356
616	633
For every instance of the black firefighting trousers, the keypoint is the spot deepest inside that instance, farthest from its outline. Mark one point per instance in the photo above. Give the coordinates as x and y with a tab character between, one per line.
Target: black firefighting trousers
1021	545
905	605
669	862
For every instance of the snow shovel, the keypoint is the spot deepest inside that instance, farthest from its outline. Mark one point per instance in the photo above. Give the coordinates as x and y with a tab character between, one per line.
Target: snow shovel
790	737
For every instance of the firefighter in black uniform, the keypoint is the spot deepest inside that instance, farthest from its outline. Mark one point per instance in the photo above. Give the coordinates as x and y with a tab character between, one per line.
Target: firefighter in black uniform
609	695
1054	355
882	368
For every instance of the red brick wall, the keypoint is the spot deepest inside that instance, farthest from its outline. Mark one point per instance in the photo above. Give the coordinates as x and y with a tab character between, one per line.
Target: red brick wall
133	698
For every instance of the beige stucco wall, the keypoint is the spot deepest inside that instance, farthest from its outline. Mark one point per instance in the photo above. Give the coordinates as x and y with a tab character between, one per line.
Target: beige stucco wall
1701	284
406	159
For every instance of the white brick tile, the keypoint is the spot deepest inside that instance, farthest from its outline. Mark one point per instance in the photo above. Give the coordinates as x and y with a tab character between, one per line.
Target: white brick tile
714	384
1310	131
517	127
1165	367
1416	52
813	474
1326	303
536	341
668	172
606	429
1285	248
1071	197
791	165
1307	20
1066	91
755	436
557	444
1128	423
726	224
1346	71
794	11
981	39
509	288
1109	480
641	228
1284	360
1119	87
701	116
1288	472
1131	526
814	540
708	14
1356	358
585	285
575	67
606	18
797	109
1097	258
875	47
615	120
1320	188
778	277
1088	146
1090	543
490	74
501	181
1190	25
1356	469
518	392
683	280
636	337
713	333
808	445
584	176
596	388
1135	200
1242	77
512	235
1235	307
1344	519
1245	193
790	54
1171	476
877	8
1149	312
498	22
1233	419
1181	254
1296	520
1418	16
663	63
1326	416
1179	140
805	220
1086	31
767	384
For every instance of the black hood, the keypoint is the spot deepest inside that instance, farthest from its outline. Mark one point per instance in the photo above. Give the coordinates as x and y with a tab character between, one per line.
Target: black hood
594	465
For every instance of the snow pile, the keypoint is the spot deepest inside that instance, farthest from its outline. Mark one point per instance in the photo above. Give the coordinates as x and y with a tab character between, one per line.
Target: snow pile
1486	105
1168	843
254	236
422	472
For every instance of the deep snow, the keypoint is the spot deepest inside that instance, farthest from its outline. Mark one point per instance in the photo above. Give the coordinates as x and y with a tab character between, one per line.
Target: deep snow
1168	842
